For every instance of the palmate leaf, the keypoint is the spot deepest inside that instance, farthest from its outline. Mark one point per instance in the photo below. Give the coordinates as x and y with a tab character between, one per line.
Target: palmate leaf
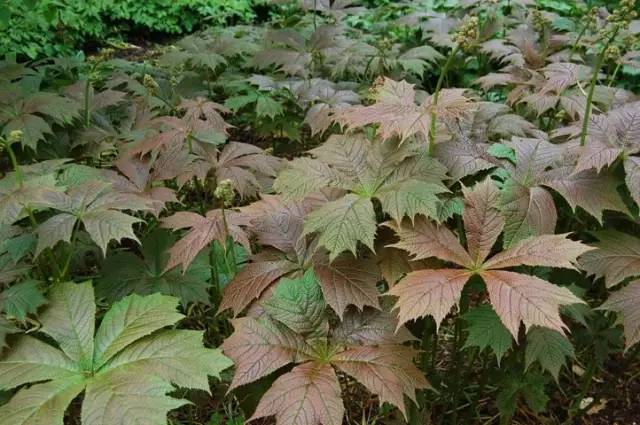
515	297
203	230
279	225
398	115
249	168
527	204
98	207
129	362
25	112
124	273
262	346
37	191
613	135
343	223
401	177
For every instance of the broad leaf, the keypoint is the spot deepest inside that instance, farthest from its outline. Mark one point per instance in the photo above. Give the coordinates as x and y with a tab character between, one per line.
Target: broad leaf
549	348
308	395
625	302
486	330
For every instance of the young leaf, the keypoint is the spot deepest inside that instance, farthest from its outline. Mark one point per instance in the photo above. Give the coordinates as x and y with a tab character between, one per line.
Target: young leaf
298	304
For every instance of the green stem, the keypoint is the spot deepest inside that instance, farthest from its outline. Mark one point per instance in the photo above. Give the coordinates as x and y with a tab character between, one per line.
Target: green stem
615	73
587	380
231	268
14	163
574	47
436	94
65	269
215	282
592	87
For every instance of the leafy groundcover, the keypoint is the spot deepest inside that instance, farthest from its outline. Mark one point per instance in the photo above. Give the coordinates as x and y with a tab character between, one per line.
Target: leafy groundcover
351	213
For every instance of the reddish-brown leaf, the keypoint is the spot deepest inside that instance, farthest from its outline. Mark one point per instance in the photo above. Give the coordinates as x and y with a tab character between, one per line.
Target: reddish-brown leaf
483	222
424	239
522	298
616	257
308	395
203	231
347	281
387	371
260	348
428	293
252	281
545	250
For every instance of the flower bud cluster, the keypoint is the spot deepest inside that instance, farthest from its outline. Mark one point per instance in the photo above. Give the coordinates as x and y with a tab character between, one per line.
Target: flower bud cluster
224	192
619	19
539	21
467	35
150	84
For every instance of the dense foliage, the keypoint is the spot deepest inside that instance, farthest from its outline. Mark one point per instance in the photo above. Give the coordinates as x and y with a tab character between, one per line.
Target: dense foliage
41	28
422	212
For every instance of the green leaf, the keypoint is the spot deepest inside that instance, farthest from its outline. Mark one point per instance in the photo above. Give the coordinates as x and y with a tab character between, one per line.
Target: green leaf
127	398
105	225
41	403
176	356
20	246
409	198
531	388
501	151
131	319
69	319
236	103
21	299
549	348
31	360
486	330
267	107
342	224
125	273
298	304
141	362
